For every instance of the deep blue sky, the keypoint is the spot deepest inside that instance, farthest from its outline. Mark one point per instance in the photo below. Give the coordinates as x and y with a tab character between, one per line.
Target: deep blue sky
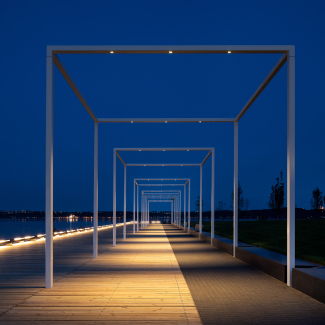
157	86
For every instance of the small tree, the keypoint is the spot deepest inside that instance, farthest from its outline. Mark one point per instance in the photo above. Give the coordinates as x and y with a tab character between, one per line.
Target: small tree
241	200
276	200
316	202
221	206
246	206
197	204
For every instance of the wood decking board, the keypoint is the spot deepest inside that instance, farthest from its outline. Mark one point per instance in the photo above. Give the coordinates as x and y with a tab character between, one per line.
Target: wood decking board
137	282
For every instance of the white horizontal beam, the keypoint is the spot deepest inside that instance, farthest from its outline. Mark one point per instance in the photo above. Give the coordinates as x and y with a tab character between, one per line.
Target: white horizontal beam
262	86
157	191
67	77
164	49
165	120
163	149
161	179
160	184
162	165
161	196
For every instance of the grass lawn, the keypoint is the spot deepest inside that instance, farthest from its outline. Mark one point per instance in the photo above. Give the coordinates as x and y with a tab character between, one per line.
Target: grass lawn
272	235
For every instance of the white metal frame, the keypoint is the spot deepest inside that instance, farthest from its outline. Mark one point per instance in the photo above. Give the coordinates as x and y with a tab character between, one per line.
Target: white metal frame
288	55
160	199
157	201
146	195
170	192
188	181
211	152
177	197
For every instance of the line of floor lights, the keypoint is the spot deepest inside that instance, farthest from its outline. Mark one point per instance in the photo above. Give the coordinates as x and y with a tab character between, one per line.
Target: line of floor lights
31	239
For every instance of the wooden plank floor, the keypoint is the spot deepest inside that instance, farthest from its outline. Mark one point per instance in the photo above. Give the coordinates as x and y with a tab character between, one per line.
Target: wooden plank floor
137	282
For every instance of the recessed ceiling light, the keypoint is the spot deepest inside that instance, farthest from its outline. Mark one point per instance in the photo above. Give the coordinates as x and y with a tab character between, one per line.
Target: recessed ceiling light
112	52
170	52
229	52
200	121
131	121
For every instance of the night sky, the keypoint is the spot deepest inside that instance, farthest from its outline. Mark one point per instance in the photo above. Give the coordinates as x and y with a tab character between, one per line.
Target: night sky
158	86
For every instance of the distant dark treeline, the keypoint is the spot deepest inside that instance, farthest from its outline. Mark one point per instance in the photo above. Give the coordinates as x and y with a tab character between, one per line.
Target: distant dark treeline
254	214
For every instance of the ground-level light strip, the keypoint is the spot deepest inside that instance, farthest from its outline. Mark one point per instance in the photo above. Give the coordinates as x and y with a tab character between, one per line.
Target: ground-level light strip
288	55
41	237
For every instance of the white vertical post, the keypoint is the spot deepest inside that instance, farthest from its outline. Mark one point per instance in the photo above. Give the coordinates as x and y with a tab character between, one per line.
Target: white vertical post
134	208
147	212
235	203
212	196
290	165
184	207
177	207
171	211
180	208
49	175
176	210
142	210
95	210
189	205
137	207
124	214
148	221
200	201
114	197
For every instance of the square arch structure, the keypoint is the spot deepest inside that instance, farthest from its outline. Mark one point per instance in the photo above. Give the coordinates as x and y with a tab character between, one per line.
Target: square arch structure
288	55
211	152
188	181
177	199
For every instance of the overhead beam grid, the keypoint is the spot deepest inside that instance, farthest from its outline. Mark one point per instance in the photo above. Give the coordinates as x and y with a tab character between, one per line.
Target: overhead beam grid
288	55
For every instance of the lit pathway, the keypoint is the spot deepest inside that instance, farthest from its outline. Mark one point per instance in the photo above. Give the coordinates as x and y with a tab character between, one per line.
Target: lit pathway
137	282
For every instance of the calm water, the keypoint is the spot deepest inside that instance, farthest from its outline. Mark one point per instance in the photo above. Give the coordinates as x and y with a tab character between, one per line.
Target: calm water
21	227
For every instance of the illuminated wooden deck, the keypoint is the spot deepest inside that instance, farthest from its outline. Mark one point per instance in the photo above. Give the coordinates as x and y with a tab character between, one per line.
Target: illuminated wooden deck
137	282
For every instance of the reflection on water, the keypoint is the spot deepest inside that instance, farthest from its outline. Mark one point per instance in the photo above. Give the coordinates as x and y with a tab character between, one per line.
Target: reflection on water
21	227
